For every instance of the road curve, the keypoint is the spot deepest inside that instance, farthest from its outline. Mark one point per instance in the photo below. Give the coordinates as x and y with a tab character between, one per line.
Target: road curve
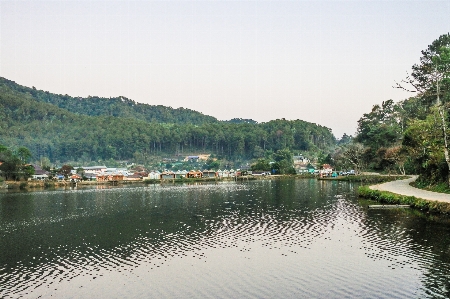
402	187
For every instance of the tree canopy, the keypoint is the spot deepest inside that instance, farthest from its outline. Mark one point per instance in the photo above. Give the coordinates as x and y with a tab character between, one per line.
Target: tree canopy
413	135
29	118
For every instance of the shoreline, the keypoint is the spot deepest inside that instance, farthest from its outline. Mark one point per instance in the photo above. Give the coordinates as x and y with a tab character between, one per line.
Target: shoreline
32	185
401	192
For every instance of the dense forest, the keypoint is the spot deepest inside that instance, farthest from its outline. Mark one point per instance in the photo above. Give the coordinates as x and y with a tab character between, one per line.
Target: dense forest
62	128
411	136
117	107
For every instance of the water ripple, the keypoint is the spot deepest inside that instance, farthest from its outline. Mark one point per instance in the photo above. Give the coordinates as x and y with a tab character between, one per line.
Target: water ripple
260	239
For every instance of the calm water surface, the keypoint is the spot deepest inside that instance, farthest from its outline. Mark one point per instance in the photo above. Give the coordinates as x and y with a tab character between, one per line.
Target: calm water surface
258	239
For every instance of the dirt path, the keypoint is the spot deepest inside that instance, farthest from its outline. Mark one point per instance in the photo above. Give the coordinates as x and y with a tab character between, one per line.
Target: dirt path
402	187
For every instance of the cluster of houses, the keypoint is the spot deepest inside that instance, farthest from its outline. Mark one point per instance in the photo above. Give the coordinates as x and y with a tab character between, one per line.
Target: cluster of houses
103	173
303	165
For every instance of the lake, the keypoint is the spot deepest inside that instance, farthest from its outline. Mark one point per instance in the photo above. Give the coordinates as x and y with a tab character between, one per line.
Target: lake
258	239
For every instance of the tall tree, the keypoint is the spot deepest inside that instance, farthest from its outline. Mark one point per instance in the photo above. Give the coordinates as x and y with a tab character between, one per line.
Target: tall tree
24	154
430	79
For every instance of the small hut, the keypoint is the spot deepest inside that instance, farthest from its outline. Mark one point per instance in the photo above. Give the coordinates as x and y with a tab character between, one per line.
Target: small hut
194	174
167	175
209	174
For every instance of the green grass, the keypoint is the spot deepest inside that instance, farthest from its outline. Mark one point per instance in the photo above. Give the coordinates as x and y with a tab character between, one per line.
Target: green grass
367	179
440	187
414	202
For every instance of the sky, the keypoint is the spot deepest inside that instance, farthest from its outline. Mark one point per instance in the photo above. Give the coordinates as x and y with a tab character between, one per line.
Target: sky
325	62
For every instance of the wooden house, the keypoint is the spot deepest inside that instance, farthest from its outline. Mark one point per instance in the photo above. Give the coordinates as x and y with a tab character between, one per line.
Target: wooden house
153	175
209	174
194	174
110	177
167	175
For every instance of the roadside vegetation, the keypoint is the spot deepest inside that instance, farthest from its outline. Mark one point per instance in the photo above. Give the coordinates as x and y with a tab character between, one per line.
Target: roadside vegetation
391	198
367	179
411	136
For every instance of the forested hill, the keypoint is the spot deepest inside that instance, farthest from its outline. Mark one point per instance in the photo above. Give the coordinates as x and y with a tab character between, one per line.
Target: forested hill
117	107
61	135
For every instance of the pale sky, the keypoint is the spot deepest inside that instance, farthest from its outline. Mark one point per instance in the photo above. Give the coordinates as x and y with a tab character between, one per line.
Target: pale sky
326	62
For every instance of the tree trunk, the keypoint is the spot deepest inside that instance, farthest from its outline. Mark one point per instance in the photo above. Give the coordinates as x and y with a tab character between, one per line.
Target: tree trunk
446	151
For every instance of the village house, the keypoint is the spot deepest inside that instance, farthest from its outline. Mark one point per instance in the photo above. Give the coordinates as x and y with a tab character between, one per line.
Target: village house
194	174
39	173
181	174
94	169
326	170
166	175
90	176
153	175
110	177
133	177
209	174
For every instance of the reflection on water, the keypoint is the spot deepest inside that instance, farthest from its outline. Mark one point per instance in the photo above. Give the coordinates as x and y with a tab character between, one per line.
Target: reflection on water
280	238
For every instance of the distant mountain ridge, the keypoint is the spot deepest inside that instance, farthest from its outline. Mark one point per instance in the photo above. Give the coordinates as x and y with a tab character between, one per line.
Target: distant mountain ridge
117	106
125	130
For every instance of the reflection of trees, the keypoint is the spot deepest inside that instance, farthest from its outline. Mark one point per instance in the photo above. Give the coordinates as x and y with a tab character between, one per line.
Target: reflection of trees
108	219
129	226
424	240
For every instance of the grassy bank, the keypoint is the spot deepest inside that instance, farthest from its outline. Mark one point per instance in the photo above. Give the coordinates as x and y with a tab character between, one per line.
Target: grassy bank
367	179
414	202
440	188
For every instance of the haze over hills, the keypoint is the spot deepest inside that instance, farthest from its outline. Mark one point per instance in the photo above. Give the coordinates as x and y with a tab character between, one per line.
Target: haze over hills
65	128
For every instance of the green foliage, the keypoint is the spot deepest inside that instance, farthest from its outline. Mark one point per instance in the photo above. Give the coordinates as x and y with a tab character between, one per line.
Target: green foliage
28	171
392	198
284	162
261	165
119	129
116	107
212	164
410	136
66	170
12	166
24	154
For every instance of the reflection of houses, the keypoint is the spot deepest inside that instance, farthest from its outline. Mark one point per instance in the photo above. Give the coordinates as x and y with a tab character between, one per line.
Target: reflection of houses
194	174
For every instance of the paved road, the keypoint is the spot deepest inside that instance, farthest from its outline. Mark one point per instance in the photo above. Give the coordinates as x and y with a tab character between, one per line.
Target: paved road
402	187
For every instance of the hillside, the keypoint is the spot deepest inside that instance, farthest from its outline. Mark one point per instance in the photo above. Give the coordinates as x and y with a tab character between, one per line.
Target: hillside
117	106
61	135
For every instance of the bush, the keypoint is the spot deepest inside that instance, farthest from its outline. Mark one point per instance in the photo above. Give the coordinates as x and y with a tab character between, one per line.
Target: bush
414	202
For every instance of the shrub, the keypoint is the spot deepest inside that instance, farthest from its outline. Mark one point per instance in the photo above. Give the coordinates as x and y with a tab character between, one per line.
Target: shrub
392	198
